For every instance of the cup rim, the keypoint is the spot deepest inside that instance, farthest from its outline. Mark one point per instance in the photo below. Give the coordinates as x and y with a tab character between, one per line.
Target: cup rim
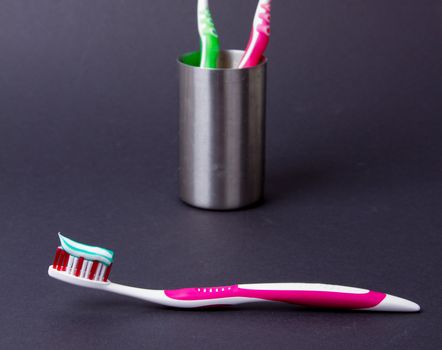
179	60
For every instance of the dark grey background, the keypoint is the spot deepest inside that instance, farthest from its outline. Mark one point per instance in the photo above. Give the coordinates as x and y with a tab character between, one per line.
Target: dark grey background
88	146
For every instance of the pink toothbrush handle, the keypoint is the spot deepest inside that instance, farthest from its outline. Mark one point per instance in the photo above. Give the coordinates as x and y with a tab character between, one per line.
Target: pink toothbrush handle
304	294
255	50
259	37
318	297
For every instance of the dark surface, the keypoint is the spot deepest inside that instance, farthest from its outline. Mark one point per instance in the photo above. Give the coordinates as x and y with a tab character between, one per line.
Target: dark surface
88	146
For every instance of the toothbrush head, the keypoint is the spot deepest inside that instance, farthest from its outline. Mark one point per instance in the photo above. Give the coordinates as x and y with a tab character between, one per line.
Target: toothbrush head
81	264
263	17
206	26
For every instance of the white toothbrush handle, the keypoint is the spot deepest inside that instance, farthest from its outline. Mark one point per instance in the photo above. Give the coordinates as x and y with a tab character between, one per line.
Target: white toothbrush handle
305	294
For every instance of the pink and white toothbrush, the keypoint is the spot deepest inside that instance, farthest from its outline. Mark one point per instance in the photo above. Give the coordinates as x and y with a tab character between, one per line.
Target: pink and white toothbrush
259	38
89	266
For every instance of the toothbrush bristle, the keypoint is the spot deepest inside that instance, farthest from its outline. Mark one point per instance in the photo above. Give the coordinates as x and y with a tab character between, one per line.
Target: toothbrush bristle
57	256
106	273
80	267
93	270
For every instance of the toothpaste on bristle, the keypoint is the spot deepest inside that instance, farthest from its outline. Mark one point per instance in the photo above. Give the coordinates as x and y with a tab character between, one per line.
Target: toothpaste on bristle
85	251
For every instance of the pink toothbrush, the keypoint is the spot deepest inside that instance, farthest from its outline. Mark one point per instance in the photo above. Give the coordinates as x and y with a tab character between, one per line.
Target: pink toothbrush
259	38
88	266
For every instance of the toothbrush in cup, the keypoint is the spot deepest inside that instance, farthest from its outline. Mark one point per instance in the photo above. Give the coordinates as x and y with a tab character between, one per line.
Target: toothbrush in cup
259	37
89	267
210	46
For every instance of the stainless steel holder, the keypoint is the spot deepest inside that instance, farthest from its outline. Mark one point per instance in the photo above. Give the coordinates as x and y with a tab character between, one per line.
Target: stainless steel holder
221	132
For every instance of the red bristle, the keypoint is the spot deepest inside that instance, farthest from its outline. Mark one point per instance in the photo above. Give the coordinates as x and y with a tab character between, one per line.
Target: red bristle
61	259
57	255
106	274
93	270
79	266
65	262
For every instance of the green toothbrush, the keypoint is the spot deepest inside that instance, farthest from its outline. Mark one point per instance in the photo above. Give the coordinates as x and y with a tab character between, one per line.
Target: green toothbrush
209	37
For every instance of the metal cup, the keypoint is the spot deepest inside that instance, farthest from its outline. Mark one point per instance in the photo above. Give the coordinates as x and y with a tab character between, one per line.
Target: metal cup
221	132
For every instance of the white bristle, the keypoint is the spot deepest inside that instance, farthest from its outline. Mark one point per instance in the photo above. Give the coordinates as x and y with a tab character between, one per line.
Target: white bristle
69	265
97	273
74	265
83	269
103	270
88	269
